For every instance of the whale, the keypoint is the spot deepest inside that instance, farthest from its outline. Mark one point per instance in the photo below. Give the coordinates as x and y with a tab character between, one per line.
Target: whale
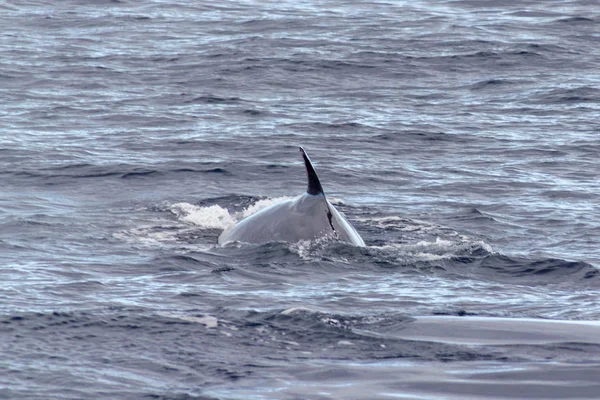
307	217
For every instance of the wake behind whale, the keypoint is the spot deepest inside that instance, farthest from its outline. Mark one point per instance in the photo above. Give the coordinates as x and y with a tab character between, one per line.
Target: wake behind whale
307	217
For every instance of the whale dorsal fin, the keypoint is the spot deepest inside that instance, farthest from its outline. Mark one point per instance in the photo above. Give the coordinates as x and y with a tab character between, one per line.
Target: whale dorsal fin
314	185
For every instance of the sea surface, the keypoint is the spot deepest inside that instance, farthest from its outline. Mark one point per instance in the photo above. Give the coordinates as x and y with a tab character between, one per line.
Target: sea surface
461	139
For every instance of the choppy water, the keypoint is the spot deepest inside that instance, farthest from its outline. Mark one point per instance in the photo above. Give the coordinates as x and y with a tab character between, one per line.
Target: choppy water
459	137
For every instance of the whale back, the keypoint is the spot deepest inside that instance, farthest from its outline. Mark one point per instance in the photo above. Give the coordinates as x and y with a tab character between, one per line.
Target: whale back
306	217
344	229
303	218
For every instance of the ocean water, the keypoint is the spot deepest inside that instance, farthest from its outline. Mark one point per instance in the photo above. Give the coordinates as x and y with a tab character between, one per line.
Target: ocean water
460	138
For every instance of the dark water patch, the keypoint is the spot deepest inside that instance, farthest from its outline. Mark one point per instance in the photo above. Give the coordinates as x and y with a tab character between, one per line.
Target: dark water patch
540	153
213	99
549	48
435	136
532	14
583	94
328	126
64	174
525	53
577	352
36	221
76	171
79	286
385	137
302	64
217	171
212	168
73	167
568	194
222	269
180	262
88	172
457	313
140	174
417	135
252	112
491	84
474	215
177	396
276	166
479	55
523	271
578	20
185	169
343	65
489	59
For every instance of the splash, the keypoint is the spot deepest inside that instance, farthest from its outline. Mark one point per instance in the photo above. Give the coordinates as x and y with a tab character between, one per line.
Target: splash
217	217
336	201
212	217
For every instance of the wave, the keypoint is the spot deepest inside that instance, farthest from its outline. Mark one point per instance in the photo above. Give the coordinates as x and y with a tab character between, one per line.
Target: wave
212	99
527	271
120	171
492	84
582	94
576	21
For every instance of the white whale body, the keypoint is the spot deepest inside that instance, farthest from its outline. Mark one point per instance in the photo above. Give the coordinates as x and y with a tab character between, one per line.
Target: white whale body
307	217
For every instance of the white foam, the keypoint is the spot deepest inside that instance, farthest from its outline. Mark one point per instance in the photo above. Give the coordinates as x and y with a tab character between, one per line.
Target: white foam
209	217
312	249
397	223
336	201
147	236
439	249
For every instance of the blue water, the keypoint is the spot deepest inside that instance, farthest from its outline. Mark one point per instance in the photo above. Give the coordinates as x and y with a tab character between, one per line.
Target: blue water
460	138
